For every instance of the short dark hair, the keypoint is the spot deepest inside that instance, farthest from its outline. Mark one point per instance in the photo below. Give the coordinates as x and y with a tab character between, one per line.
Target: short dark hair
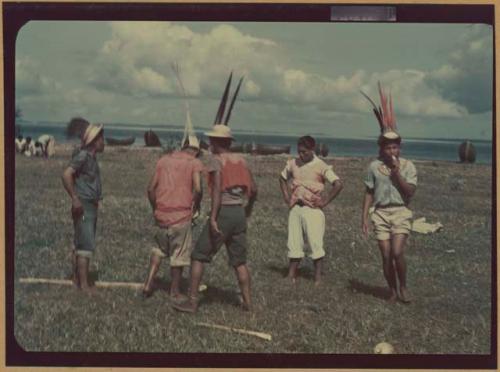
225	143
307	141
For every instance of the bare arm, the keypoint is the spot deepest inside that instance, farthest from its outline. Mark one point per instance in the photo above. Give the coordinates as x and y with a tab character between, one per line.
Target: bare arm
252	196
68	180
198	192
406	188
216	201
337	186
153	182
367	203
284	190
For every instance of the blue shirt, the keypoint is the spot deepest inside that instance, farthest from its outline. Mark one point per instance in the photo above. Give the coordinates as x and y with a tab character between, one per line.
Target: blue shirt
378	179
88	176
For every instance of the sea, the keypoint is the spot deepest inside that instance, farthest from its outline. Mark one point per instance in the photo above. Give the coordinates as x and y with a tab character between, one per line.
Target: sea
412	148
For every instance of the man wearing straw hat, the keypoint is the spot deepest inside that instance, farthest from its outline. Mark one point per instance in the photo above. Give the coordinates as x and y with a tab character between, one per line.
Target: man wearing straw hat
390	183
175	195
82	181
229	181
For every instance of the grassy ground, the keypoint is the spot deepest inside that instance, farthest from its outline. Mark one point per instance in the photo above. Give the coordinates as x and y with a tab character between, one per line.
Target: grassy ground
449	272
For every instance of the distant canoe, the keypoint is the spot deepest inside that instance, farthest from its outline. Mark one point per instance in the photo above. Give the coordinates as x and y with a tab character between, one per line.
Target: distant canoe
245	148
467	152
151	139
321	149
261	149
120	142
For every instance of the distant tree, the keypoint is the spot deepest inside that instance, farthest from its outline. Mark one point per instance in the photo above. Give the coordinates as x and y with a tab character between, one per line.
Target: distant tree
76	127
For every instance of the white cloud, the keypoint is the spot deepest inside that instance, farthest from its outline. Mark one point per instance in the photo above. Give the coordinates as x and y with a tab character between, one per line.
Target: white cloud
467	78
30	81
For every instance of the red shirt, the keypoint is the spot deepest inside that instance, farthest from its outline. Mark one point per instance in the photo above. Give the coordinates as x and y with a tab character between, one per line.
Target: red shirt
174	187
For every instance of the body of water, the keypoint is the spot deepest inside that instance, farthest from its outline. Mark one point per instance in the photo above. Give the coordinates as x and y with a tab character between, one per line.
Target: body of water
423	149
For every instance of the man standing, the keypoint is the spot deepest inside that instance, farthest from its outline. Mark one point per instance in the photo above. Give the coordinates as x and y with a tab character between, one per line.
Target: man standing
390	183
307	175
82	181
175	195
229	181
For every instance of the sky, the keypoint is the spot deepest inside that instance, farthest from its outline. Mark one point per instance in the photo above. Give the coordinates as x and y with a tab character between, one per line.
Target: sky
299	78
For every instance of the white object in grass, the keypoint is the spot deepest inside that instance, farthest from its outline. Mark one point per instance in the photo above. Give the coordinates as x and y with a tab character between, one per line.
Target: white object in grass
383	348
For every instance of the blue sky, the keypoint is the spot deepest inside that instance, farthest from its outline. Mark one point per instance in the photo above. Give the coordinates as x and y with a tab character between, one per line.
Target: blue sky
299	77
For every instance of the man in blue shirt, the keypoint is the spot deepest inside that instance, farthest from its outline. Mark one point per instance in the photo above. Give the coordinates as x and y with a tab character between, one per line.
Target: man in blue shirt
82	181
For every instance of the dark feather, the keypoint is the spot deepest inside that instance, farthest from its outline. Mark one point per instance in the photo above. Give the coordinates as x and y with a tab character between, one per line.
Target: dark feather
222	105
232	102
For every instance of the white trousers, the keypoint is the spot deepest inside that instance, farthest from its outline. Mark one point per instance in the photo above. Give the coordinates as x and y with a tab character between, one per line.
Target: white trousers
309	222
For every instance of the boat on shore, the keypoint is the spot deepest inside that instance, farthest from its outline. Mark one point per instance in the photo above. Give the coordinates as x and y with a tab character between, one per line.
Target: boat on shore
261	149
151	139
120	141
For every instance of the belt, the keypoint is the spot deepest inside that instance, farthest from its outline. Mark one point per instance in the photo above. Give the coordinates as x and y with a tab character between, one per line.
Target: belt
390	206
300	203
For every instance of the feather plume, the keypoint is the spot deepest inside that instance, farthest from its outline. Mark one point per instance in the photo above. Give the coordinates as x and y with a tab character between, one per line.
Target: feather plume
385	111
188	126
376	110
222	105
232	102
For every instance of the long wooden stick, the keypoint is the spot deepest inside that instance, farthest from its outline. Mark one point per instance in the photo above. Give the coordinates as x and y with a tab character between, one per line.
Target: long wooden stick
201	288
265	336
69	282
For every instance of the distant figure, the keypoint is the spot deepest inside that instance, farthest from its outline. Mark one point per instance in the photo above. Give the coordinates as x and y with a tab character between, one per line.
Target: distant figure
48	145
82	181
38	149
307	176
20	144
390	183
175	195
29	149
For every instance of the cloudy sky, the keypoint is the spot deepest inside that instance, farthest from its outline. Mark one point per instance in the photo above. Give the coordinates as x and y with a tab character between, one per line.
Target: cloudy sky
299	77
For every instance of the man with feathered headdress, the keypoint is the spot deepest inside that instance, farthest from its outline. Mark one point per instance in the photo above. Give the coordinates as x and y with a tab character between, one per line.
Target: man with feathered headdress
229	180
82	181
174	193
390	183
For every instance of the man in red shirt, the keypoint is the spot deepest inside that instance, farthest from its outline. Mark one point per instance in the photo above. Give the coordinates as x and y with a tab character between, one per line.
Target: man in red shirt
175	195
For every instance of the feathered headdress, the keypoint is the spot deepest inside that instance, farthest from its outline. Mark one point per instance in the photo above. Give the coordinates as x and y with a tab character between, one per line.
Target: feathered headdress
219	118
189	137
384	112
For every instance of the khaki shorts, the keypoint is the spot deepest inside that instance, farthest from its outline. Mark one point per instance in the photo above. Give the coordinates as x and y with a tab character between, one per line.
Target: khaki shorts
174	242
390	221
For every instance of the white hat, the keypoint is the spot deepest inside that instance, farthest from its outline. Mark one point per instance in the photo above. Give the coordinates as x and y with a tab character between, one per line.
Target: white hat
91	133
193	142
220	131
391	135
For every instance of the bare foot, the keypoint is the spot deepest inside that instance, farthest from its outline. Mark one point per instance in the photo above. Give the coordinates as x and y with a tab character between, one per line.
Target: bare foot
290	280
89	291
317	283
147	292
404	296
178	298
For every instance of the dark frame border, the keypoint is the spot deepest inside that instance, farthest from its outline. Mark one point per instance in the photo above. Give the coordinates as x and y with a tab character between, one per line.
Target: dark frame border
15	15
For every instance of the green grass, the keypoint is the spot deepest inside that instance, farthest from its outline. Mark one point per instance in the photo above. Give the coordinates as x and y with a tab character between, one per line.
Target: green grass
348	314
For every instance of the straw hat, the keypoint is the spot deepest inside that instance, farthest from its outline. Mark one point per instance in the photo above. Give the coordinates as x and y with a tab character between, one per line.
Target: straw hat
220	131
91	133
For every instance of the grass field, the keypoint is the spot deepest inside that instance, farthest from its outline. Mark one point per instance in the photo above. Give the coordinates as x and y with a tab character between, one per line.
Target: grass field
449	272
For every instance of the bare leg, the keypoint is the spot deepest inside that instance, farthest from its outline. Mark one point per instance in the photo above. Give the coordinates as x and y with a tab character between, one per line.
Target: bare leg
74	269
388	266
398	243
244	281
317	271
292	269
83	272
176	275
154	265
191	305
